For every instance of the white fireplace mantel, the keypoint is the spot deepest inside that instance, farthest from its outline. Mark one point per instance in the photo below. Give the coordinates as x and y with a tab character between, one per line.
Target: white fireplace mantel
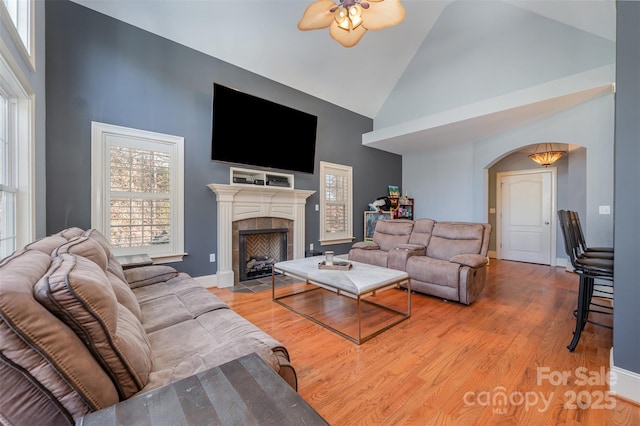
237	202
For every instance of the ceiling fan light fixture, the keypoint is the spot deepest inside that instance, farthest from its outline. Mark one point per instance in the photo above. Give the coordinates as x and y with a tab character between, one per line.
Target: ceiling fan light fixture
342	18
546	157
355	15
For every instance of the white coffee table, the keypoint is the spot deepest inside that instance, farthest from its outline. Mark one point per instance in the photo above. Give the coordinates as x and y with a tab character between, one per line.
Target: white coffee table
359	282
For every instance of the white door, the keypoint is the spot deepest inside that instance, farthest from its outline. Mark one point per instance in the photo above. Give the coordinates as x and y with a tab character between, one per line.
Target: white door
525	219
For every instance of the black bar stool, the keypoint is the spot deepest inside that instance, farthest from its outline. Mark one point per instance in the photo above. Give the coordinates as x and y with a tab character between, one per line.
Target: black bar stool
589	269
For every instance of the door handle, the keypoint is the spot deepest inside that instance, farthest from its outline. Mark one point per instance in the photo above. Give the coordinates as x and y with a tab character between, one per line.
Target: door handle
546	223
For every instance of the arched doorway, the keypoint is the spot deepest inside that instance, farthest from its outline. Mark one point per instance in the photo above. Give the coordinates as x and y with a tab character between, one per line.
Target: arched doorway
550	191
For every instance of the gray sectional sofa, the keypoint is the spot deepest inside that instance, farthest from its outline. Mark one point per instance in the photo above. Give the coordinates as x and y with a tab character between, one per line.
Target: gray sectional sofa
443	259
78	333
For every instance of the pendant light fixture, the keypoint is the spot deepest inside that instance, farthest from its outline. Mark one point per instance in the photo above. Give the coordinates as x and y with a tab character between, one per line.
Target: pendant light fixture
546	154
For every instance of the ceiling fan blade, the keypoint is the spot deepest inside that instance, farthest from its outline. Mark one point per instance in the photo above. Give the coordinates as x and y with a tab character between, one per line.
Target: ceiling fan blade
317	15
383	14
346	38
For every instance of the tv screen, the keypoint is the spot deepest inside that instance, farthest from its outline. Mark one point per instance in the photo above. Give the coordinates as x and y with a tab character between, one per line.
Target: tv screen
253	131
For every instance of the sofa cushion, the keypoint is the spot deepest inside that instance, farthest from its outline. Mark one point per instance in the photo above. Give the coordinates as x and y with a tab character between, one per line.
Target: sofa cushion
113	265
46	244
50	367
90	249
99	238
435	271
70	233
124	295
366	245
179	299
451	238
85	247
372	257
147	275
78	292
210	340
421	233
391	233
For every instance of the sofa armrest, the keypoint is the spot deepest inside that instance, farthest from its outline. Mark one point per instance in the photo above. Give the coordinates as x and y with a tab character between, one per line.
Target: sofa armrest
147	275
399	255
470	260
366	245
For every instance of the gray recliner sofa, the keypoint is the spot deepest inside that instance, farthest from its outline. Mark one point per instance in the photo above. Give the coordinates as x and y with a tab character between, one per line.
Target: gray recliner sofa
78	333
443	259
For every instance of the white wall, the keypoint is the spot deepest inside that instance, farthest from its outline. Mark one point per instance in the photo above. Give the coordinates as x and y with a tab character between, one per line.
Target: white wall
451	182
480	50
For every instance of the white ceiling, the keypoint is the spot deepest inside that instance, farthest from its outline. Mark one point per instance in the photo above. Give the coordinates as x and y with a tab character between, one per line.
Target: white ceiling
261	36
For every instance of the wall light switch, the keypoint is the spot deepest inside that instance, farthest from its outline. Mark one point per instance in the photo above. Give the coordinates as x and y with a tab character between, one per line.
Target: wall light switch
212	257
492	210
310	246
604	209
317	207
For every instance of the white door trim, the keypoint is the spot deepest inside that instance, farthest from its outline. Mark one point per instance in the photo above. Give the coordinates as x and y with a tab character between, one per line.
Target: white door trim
553	202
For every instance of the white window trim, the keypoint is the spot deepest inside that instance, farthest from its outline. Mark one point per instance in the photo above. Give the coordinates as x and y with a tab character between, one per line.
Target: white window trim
25	47
25	155
324	166
99	188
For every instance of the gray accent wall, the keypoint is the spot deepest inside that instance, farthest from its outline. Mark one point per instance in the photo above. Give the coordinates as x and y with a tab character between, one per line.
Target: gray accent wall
101	69
626	338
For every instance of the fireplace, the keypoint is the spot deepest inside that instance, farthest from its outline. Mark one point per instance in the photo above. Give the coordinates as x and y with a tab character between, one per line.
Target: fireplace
260	237
237	203
259	250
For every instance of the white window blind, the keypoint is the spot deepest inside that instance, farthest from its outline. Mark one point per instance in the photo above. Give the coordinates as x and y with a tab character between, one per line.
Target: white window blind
336	224
140	203
138	186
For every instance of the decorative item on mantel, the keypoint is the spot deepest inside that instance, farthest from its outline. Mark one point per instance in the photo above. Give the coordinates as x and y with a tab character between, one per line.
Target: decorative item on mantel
548	156
349	20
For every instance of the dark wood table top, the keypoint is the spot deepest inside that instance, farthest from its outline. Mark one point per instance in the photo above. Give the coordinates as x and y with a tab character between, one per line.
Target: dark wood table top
245	391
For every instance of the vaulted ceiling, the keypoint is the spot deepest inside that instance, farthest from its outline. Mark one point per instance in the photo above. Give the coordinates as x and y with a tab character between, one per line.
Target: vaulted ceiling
261	36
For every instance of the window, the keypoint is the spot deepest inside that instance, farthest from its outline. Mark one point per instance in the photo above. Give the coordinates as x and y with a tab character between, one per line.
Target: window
20	15
336	223
17	220
137	180
7	190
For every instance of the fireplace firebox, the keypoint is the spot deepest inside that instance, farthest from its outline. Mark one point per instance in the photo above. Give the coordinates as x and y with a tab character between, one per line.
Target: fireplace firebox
259	250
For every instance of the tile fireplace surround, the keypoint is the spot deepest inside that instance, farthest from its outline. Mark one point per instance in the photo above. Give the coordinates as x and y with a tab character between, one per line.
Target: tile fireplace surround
238	202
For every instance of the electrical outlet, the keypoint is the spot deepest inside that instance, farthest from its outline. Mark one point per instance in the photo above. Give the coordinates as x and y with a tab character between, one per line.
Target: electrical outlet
311	246
212	257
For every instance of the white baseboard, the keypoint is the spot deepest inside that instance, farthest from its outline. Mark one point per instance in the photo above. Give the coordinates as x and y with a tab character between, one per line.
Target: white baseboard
207	281
624	383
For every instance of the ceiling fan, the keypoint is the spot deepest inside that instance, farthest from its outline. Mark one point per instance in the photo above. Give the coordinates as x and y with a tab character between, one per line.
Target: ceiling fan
349	20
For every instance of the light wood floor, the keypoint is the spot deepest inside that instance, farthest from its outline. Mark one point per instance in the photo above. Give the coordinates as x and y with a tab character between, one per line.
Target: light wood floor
455	364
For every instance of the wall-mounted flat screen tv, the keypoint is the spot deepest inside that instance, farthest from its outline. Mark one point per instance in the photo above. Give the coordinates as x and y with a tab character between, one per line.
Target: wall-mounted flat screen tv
252	131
